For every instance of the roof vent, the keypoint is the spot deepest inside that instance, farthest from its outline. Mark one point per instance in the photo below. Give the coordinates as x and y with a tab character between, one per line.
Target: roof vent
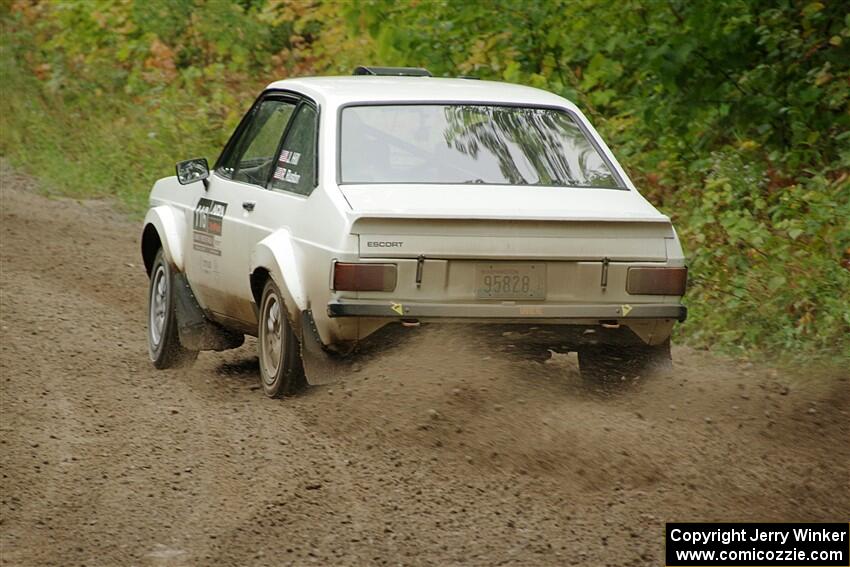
392	71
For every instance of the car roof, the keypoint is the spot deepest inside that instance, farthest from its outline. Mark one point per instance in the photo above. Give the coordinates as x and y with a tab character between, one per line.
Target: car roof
338	91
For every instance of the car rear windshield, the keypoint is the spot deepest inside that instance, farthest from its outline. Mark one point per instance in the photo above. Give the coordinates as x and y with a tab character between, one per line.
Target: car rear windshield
468	143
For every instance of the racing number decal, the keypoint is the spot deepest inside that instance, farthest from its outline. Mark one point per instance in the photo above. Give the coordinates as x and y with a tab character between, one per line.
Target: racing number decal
209	215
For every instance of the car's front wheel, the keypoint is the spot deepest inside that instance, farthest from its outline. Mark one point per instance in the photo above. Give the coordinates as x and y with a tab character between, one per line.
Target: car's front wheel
609	363
281	367
164	345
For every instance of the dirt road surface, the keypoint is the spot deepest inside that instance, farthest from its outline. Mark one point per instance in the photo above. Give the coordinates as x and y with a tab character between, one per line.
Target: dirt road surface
450	449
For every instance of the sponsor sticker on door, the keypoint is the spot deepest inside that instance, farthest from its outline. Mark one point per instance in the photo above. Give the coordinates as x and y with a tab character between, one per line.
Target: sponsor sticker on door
207	226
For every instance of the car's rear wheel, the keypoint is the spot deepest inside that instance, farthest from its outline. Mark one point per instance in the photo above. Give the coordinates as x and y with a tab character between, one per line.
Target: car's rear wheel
281	367
609	363
164	345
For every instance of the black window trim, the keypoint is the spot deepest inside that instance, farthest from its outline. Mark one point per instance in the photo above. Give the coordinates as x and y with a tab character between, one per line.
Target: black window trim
272	94
623	186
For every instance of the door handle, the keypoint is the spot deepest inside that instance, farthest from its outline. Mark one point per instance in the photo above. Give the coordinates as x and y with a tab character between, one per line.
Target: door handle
249	205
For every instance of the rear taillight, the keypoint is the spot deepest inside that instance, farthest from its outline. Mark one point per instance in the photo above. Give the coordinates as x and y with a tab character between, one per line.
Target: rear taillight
657	281
364	277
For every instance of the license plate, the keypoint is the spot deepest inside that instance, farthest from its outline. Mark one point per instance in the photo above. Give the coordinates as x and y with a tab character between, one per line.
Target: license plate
510	281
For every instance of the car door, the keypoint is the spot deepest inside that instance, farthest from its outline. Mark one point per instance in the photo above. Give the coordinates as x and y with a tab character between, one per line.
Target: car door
224	228
292	178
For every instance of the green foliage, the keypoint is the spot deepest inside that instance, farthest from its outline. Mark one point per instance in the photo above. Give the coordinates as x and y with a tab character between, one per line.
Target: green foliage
102	97
733	116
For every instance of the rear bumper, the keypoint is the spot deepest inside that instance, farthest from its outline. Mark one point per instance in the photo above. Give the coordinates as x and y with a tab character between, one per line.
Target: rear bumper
506	312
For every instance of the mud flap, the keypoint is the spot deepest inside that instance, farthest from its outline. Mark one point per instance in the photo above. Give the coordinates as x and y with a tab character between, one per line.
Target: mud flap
652	332
195	330
320	365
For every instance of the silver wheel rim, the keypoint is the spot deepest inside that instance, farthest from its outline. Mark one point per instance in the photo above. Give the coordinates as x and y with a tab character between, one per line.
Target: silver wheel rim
159	305
272	338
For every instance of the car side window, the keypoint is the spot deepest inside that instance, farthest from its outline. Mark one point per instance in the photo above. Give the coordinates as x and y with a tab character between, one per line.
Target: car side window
295	170
254	153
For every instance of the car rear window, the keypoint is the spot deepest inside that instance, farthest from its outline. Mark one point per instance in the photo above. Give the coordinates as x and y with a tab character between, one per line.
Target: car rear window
468	143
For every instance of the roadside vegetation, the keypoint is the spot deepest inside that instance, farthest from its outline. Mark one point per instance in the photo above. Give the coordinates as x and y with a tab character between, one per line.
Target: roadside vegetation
733	117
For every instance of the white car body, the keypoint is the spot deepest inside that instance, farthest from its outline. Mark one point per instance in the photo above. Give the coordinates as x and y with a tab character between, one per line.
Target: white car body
438	234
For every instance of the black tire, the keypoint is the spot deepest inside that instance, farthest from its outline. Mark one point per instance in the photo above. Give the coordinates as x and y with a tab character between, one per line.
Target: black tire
164	346
610	363
281	367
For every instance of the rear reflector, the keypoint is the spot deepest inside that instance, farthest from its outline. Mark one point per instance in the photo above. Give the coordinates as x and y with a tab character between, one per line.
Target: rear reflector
364	277
657	281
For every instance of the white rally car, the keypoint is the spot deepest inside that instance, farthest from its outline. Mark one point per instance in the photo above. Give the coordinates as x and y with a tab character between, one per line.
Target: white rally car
343	204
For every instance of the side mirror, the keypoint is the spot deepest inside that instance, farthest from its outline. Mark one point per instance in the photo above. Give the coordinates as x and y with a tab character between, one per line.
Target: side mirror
192	170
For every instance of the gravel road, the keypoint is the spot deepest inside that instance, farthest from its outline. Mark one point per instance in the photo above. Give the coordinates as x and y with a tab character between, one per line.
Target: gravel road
451	448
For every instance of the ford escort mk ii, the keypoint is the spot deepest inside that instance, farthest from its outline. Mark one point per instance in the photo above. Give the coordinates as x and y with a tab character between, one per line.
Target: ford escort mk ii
343	204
